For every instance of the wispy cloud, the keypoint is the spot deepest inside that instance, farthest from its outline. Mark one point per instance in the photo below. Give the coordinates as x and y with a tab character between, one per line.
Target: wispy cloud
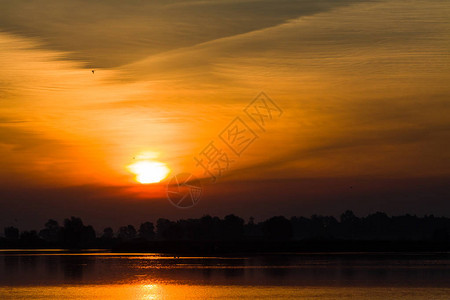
111	33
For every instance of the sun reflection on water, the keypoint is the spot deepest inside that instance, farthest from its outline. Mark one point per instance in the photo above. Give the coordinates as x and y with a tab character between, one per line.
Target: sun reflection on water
150	291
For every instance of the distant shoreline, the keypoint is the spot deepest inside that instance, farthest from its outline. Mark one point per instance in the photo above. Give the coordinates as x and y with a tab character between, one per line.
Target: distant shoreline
249	247
267	247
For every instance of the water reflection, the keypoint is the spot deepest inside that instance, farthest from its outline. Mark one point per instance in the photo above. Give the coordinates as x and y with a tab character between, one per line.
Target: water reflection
75	266
151	276
173	291
274	270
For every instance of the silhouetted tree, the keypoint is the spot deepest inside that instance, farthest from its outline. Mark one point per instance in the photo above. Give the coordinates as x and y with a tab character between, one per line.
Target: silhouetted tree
147	231
127	232
168	230
350	224
108	233
11	233
75	234
277	228
216	233
348	217
29	237
233	227
377	225
51	232
300	227
323	227
208	228
441	234
252	230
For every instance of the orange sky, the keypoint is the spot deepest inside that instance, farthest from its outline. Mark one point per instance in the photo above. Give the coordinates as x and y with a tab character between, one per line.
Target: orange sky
363	87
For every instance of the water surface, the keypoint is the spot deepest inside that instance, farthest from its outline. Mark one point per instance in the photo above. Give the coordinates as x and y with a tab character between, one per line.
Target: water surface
64	275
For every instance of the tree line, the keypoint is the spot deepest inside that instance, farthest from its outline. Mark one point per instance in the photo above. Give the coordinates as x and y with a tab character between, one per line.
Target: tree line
73	233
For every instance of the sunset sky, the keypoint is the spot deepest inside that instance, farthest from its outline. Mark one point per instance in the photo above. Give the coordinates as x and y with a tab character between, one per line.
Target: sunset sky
363	87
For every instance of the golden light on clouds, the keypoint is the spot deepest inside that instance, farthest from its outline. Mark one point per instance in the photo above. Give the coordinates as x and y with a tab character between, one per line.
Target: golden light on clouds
369	99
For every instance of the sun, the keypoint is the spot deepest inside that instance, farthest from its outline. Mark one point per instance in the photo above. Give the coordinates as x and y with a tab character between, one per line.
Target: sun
149	171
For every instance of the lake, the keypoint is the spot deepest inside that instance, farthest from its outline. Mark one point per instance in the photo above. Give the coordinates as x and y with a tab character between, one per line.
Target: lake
54	274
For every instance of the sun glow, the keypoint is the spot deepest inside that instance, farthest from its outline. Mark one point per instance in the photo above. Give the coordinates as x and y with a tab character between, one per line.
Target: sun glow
149	171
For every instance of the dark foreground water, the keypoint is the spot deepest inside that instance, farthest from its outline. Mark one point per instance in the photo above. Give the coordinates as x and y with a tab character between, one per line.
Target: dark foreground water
96	275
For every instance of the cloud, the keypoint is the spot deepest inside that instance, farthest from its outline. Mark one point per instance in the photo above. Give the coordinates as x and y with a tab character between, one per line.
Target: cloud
4	121
112	33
